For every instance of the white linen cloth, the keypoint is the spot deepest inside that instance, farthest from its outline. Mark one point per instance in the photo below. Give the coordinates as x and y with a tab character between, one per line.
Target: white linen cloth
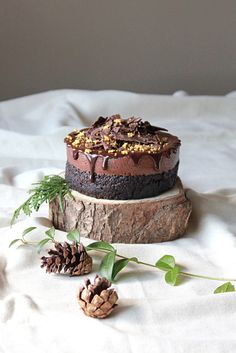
39	312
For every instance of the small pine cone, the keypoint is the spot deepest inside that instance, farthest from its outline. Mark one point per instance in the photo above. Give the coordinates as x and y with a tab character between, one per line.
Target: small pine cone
71	258
96	300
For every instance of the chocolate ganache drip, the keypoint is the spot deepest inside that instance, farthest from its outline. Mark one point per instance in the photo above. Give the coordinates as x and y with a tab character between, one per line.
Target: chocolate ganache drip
114	137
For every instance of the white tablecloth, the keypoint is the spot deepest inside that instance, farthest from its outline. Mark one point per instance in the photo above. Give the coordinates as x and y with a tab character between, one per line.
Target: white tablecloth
39	312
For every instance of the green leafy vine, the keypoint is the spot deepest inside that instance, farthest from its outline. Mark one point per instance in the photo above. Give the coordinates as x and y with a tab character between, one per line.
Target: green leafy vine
113	263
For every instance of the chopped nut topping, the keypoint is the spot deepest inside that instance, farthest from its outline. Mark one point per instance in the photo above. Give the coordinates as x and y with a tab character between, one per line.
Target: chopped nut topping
130	134
118	136
117	121
87	150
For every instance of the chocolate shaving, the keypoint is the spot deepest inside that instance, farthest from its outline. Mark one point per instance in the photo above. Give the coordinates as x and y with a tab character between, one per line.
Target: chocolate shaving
113	133
143	132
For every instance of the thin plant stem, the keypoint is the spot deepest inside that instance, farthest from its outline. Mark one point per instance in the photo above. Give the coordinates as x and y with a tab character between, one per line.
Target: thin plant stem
222	279
186	274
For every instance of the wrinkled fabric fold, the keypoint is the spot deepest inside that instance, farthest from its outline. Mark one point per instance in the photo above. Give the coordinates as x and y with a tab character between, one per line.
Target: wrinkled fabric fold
39	312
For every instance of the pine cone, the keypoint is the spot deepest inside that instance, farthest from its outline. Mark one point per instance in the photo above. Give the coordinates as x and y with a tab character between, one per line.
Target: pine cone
96	300
71	258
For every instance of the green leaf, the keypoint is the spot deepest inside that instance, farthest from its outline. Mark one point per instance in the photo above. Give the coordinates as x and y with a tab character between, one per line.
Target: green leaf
172	275
74	235
120	264
25	207
28	230
106	267
101	245
50	232
133	259
47	190
226	287
166	263
41	244
13	242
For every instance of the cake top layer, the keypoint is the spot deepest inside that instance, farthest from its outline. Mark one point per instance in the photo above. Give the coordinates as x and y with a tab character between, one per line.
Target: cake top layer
117	136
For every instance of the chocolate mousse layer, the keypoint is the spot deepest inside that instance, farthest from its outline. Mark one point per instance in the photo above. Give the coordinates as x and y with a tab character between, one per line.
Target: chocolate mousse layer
119	158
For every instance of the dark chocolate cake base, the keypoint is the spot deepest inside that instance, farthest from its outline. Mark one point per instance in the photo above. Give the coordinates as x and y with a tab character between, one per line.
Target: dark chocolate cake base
114	187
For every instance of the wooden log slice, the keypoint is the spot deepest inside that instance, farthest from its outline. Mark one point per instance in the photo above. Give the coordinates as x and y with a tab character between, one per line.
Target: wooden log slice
152	220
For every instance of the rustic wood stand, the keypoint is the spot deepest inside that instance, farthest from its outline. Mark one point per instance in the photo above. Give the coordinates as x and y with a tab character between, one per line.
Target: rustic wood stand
151	220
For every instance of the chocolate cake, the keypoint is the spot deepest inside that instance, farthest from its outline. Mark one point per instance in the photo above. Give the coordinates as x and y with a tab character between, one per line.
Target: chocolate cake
121	159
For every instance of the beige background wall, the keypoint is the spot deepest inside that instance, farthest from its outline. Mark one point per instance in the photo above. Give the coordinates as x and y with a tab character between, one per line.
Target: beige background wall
147	46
